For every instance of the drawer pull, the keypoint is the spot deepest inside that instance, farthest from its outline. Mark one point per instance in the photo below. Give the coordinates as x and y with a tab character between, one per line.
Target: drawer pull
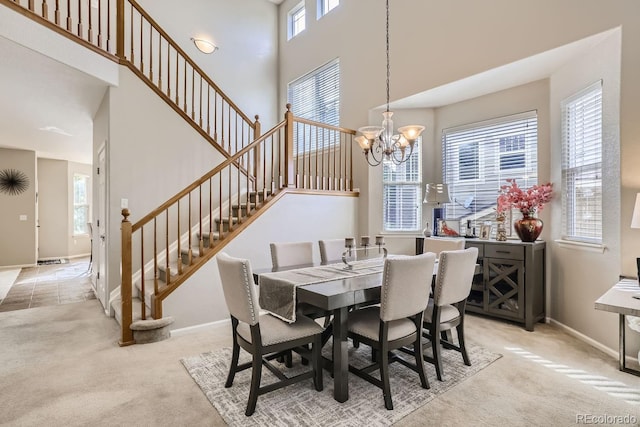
503	252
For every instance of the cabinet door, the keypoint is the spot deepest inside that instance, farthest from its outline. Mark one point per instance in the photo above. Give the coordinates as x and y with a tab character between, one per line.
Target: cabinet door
504	291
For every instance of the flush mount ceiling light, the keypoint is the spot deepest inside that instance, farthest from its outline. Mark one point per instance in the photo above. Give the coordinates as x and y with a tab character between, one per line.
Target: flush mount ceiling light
204	46
380	141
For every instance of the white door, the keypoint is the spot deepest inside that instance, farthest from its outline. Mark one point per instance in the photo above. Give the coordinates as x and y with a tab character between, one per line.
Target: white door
100	244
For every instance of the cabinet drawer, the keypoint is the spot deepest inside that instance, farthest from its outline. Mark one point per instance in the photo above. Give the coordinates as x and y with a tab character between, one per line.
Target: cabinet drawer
503	251
480	247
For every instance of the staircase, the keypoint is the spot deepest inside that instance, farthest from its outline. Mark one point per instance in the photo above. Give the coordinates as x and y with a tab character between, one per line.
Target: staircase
154	327
168	245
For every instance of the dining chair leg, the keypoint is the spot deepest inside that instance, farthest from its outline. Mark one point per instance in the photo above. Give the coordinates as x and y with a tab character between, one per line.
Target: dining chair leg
316	360
417	352
384	377
435	345
234	356
256	375
463	348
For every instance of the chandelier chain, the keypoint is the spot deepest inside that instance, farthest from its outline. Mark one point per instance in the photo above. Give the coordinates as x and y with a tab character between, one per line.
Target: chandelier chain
388	62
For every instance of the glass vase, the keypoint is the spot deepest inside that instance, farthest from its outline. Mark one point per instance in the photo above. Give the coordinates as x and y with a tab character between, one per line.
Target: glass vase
528	228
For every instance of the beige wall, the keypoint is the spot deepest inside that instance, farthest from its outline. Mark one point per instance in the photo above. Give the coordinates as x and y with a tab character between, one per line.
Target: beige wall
245	65
153	153
53	206
434	43
201	300
55	209
18	237
579	275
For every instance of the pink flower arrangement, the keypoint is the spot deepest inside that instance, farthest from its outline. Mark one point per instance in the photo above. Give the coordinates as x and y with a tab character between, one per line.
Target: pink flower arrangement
527	201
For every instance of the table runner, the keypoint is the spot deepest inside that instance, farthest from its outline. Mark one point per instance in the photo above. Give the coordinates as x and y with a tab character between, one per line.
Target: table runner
278	290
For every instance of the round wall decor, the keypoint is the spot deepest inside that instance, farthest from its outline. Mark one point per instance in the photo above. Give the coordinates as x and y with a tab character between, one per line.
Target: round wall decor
13	182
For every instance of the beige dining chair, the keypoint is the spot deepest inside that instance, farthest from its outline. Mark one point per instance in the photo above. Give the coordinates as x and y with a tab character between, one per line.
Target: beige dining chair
265	337
439	244
286	254
397	322
331	250
445	310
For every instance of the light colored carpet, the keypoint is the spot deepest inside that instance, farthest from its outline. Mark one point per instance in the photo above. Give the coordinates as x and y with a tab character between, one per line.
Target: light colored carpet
7	278
301	405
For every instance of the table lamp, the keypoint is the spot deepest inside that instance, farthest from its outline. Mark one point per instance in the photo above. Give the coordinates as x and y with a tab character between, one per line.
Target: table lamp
635	223
438	194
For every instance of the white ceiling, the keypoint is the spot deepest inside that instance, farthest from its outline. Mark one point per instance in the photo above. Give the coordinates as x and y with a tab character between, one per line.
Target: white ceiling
54	116
47	107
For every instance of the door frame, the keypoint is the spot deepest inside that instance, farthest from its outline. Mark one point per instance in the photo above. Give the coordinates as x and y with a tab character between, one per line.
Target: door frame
101	219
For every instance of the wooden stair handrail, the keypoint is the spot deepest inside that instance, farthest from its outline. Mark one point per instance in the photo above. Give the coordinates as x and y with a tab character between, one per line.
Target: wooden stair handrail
147	218
189	60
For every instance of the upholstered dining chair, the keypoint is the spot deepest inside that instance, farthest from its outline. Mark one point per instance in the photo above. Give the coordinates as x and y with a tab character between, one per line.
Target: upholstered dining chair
439	244
286	254
331	250
397	322
445	310
265	337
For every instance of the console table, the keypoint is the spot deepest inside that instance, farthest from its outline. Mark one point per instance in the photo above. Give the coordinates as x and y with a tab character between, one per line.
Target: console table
620	299
511	284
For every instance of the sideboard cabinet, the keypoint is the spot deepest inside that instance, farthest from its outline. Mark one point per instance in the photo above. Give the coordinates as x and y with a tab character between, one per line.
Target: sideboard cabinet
511	281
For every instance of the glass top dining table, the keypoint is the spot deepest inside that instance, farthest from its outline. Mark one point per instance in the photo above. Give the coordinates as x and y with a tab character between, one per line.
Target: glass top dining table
337	296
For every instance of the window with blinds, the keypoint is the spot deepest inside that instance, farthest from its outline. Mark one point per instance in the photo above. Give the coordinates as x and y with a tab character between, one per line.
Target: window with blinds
316	96
478	158
401	193
582	165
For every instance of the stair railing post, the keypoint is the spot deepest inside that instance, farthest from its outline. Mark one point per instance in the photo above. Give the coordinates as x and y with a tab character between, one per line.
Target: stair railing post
257	160
289	177
120	29
126	281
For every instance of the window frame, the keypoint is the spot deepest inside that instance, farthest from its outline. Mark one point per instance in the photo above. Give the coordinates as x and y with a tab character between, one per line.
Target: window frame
417	184
474	199
292	20
581	166
85	205
324	82
325	6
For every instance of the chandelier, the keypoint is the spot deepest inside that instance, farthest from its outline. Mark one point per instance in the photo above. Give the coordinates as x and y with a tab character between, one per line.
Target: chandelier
380	141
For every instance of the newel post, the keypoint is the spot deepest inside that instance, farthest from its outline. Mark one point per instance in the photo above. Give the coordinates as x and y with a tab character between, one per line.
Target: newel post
125	283
120	29
289	176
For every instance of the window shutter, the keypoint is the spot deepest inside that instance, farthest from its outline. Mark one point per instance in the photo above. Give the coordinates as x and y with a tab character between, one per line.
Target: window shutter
478	158
582	165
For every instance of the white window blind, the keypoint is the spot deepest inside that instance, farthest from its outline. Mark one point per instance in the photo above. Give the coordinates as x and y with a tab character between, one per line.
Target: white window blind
401	198
296	20
478	158
316	96
582	165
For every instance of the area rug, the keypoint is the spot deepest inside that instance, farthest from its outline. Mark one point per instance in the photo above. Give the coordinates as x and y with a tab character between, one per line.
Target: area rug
301	405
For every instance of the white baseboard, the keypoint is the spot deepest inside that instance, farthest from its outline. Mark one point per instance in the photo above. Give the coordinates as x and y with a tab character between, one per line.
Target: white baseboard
8	267
198	328
78	256
629	360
